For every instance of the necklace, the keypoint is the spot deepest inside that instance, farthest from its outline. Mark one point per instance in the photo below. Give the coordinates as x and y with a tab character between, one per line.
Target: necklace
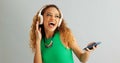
48	43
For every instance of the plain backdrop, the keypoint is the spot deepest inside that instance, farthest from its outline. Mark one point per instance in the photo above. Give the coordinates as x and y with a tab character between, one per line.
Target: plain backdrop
89	20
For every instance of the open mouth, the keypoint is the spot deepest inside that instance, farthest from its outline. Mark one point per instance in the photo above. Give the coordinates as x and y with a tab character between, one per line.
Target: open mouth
51	24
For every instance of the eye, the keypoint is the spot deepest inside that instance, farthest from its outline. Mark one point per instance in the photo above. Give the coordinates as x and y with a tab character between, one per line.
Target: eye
57	16
49	14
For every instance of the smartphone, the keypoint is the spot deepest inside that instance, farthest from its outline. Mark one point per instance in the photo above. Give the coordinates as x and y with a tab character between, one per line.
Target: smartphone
91	46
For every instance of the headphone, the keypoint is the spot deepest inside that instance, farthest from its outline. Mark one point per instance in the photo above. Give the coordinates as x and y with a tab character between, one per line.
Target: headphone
41	17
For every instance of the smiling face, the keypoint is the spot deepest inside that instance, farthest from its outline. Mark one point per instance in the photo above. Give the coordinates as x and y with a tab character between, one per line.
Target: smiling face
51	19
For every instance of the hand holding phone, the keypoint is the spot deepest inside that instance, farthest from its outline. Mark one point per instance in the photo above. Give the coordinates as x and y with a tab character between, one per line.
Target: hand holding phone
91	45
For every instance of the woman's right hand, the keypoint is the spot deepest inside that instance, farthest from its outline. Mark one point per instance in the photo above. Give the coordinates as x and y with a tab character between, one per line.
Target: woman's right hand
38	33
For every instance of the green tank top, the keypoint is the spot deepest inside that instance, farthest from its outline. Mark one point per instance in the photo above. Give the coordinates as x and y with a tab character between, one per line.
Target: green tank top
57	53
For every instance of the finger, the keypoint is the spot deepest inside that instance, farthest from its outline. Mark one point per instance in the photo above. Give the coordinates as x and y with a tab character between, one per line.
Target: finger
40	29
37	25
88	49
94	47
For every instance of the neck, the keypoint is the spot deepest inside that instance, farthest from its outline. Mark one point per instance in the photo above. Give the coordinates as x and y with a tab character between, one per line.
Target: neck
49	34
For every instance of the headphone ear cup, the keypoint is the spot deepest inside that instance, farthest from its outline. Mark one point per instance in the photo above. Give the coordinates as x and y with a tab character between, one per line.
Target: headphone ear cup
41	19
60	22
60	19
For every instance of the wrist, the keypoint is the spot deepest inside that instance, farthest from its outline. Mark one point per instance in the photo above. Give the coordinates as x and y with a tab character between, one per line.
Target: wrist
84	57
38	40
38	43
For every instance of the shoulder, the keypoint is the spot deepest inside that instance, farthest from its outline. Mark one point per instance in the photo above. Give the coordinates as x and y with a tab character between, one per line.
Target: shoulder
68	39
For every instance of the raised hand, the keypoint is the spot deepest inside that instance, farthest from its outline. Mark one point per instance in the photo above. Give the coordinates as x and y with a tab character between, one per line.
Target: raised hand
38	33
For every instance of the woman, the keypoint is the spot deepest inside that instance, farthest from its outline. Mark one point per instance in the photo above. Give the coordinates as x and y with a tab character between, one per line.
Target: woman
51	40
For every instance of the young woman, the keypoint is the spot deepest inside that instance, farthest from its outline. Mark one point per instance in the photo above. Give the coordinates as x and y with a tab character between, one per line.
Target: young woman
51	40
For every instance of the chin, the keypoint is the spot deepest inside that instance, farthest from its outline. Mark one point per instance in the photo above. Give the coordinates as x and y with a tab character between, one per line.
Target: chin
51	30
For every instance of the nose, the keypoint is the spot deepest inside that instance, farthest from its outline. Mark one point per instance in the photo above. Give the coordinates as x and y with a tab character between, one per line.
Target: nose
52	17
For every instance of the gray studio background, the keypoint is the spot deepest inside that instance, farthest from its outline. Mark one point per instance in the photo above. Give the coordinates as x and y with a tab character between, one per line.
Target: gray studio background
89	20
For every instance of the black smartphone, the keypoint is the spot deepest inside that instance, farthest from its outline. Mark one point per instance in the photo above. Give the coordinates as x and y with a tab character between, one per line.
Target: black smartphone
91	46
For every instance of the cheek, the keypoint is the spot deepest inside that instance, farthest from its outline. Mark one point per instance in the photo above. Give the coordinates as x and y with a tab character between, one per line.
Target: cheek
45	21
58	21
45	18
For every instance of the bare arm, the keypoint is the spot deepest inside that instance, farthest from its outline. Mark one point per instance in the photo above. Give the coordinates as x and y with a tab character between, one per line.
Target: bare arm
37	56
83	56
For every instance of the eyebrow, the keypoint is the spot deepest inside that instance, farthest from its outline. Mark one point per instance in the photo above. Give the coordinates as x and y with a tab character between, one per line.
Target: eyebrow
52	13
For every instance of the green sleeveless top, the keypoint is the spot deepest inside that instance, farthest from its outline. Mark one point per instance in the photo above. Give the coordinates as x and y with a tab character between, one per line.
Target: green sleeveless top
57	53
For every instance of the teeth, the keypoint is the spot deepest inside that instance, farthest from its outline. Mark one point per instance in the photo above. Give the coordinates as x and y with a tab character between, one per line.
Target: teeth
51	23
